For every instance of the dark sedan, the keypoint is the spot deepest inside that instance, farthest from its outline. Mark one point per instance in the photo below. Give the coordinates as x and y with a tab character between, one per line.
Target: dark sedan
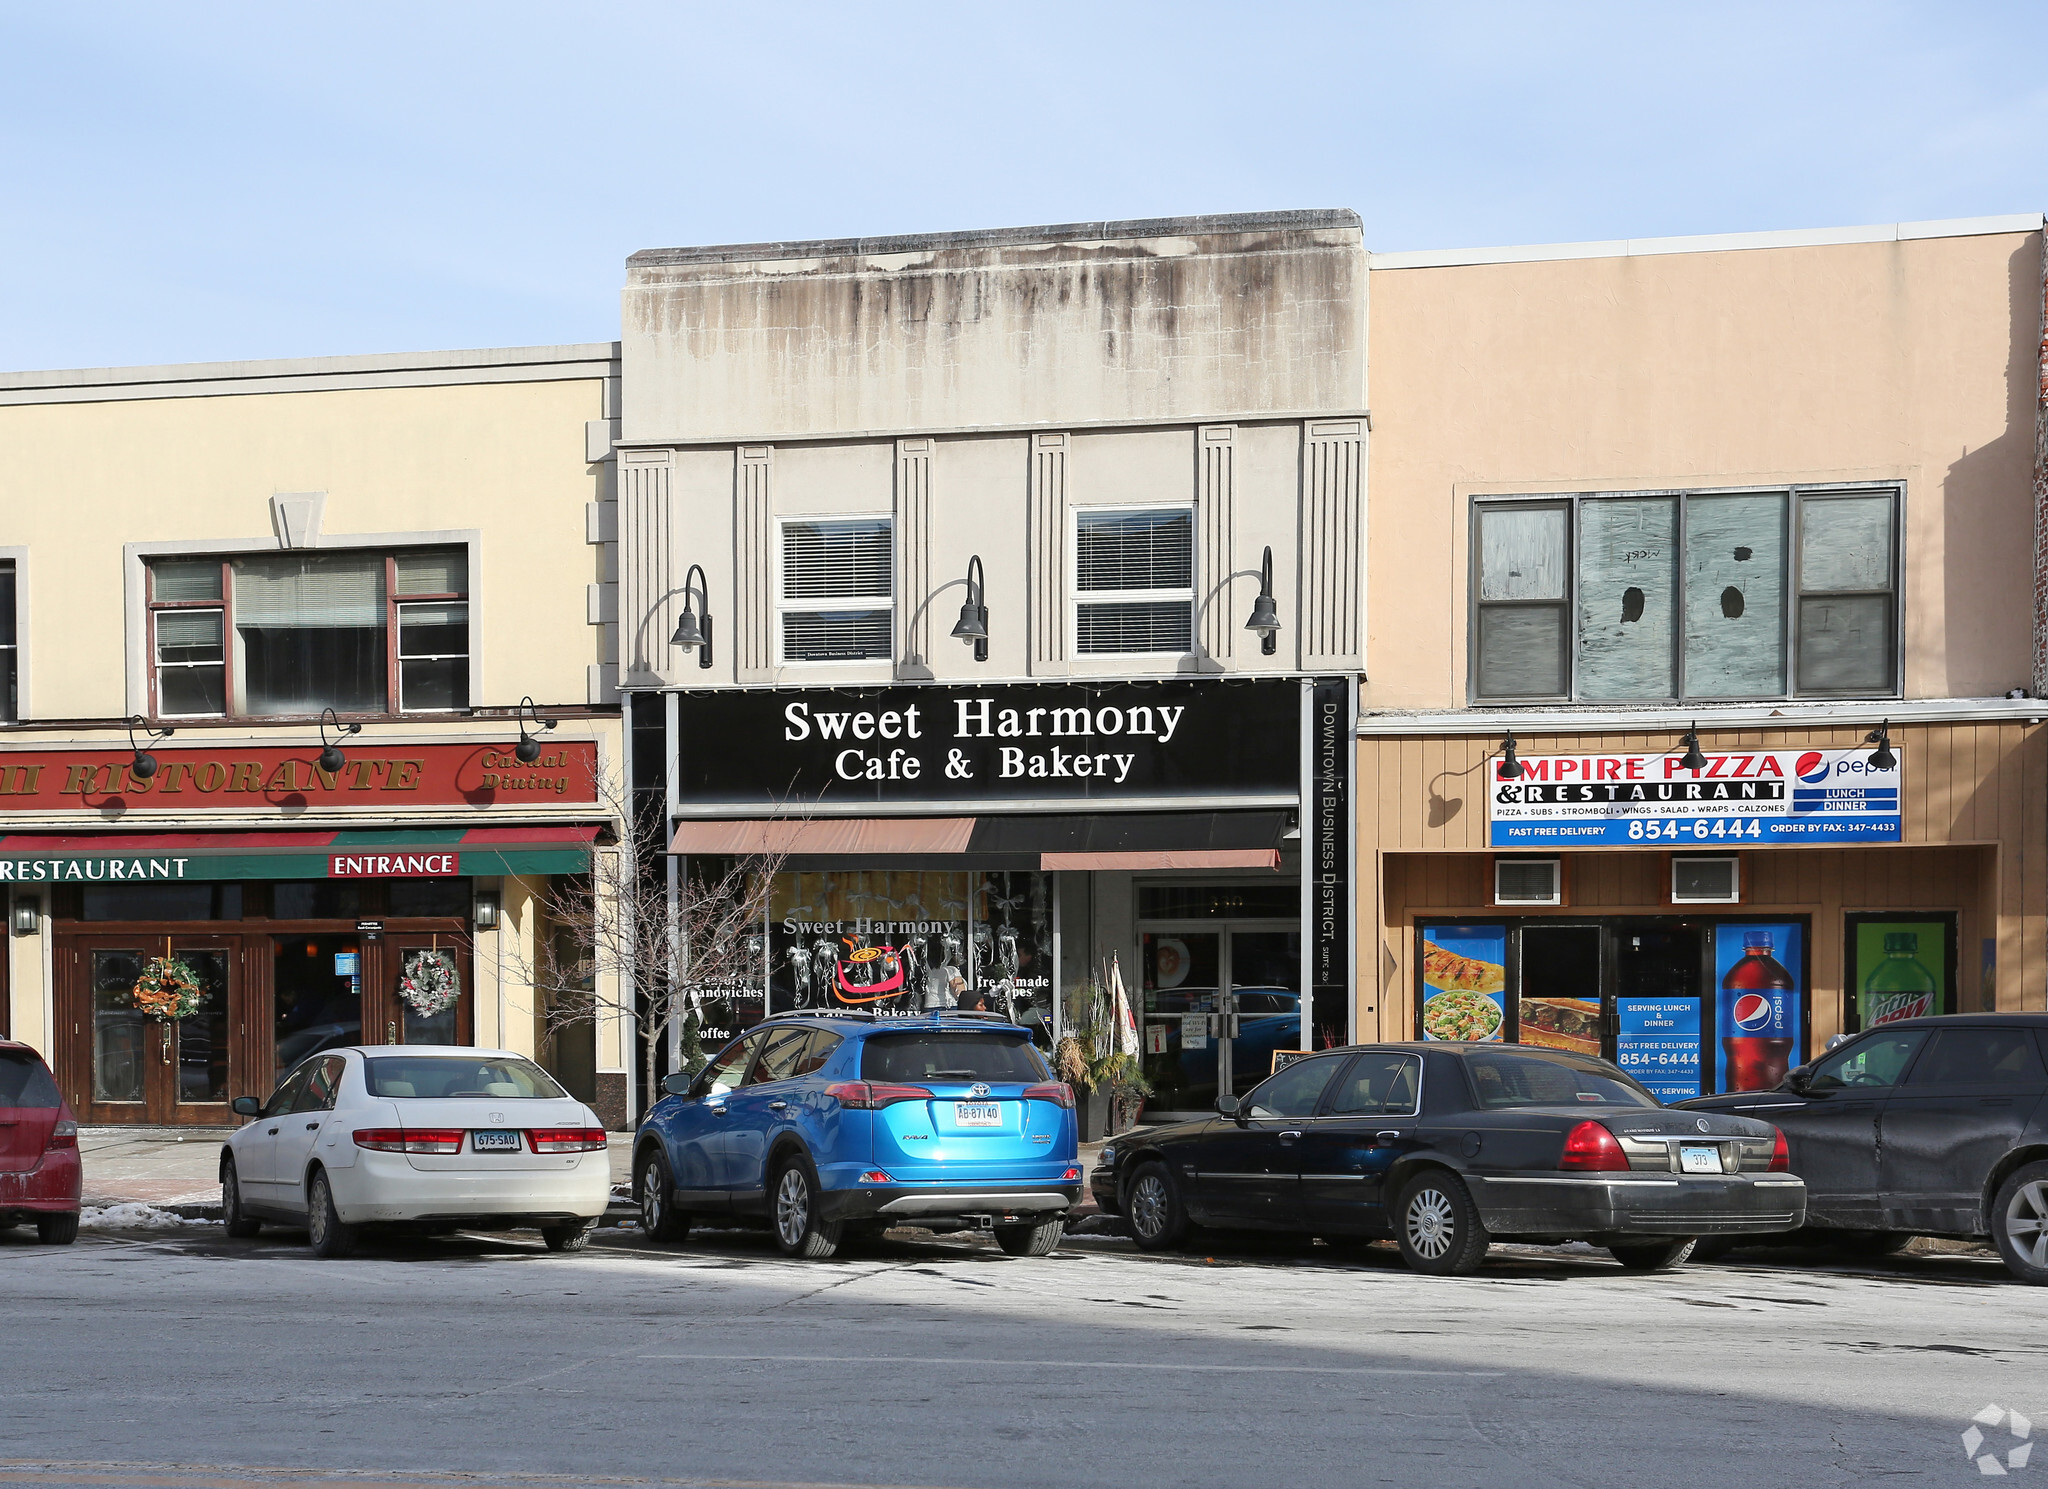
1924	1127
1447	1147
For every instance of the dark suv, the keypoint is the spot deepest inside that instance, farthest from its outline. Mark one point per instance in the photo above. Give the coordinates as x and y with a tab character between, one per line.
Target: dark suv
1924	1127
824	1123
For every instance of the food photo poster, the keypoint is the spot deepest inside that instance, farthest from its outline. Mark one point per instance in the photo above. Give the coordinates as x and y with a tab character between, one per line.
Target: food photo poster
1464	982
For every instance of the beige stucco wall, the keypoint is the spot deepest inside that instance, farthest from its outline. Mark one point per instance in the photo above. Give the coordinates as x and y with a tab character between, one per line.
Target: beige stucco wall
1910	360
78	480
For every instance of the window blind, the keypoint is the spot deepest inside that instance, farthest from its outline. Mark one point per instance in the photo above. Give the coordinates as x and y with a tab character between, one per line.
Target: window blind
1134	550
837	560
432	571
179	580
309	591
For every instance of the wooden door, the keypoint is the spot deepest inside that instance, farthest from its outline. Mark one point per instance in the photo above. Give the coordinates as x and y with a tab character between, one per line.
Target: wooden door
119	1065
411	956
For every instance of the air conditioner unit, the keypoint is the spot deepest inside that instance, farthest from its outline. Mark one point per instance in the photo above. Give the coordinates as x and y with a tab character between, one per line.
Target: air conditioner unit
1706	881
1528	881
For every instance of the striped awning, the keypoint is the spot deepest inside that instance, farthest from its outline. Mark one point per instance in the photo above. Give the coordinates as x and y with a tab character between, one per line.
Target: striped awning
1024	840
397	853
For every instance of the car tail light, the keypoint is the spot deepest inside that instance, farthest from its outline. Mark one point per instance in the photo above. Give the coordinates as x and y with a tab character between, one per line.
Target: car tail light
1059	1093
1589	1147
409	1140
1070	1175
64	1134
569	1139
867	1096
1781	1156
876	1176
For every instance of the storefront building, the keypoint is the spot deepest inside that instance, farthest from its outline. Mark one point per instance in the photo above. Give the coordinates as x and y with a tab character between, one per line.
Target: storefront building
1703	716
306	715
938	557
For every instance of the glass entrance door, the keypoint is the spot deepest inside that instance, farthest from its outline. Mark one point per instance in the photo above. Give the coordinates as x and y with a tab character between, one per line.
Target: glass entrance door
1215	1003
128	1066
317	983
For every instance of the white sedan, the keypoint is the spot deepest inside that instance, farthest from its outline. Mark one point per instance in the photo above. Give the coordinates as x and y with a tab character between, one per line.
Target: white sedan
427	1138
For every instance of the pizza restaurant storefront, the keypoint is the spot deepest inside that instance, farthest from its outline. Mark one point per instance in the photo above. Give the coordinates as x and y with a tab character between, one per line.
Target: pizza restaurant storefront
1001	847
1706	923
266	944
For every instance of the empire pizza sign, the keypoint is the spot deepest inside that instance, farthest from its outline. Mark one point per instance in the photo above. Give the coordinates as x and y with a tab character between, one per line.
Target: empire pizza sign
1756	796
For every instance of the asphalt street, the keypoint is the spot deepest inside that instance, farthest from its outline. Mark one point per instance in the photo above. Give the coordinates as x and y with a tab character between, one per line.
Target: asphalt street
187	1359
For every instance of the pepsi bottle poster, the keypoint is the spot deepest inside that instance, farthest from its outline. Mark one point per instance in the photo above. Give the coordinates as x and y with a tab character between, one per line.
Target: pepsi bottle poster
1737	798
1758	1008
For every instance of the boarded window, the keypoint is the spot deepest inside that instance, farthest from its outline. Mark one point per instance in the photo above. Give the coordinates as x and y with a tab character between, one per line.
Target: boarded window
1628	559
1735	596
1522	642
1694	596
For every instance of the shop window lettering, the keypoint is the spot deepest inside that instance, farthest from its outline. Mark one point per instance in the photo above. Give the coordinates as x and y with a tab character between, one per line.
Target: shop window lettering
209	776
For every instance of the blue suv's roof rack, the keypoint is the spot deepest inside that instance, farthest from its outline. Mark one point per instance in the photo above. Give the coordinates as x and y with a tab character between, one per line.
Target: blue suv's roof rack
819	1013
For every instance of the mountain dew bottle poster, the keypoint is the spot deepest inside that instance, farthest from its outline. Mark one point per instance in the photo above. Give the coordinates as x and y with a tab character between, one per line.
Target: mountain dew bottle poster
1900	971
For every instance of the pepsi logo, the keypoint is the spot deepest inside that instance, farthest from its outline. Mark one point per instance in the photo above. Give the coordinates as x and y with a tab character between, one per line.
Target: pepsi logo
1812	768
1752	1012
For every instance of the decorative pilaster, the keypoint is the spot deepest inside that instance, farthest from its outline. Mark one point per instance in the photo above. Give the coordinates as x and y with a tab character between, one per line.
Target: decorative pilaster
1215	472
647	611
753	529
1333	546
911	535
1048	559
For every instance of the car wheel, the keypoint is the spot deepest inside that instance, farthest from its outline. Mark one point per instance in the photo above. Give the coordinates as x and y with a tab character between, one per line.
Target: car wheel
1654	1256
572	1237
324	1229
1152	1207
659	1217
800	1230
1873	1242
1032	1240
238	1222
57	1230
2019	1223
1439	1230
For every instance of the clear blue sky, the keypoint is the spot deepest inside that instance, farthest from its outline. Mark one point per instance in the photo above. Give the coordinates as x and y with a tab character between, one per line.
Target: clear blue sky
209	181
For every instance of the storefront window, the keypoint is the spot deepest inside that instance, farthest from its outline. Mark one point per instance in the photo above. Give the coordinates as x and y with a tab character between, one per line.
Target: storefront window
903	943
160	902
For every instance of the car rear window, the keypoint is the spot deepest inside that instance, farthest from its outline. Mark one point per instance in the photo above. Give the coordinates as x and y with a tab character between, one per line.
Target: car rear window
933	1055
1504	1080
440	1077
25	1081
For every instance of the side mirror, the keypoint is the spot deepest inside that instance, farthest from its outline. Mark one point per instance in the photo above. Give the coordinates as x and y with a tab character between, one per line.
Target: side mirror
1227	1105
246	1106
1800	1081
677	1084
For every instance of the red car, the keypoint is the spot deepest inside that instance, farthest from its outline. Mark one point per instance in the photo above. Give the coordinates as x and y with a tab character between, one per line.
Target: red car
39	1174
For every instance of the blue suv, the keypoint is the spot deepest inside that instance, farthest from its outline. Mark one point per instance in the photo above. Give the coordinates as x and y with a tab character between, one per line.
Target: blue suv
829	1123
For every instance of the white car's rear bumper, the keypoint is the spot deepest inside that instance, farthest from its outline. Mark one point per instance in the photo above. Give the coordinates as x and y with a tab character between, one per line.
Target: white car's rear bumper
383	1187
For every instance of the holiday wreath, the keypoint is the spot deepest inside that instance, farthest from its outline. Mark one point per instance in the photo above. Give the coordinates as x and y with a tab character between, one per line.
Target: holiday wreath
168	988
427	982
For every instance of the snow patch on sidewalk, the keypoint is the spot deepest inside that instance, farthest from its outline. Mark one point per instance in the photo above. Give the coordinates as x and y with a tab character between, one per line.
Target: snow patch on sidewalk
133	1215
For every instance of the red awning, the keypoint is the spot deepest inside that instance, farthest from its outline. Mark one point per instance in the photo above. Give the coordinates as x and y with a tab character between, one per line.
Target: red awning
1167	858
849	836
569	834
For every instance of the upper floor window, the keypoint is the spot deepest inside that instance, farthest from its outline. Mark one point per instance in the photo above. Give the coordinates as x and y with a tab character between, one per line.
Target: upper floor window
283	634
1700	595
1134	580
837	595
10	647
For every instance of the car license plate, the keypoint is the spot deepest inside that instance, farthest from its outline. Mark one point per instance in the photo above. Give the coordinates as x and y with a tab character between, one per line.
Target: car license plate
495	1142
1699	1160
977	1114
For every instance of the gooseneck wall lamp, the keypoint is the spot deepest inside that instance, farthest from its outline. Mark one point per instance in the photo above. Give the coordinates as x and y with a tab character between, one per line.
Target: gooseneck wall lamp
693	634
1692	759
528	748
1882	757
144	764
331	757
972	626
1510	763
1265	618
